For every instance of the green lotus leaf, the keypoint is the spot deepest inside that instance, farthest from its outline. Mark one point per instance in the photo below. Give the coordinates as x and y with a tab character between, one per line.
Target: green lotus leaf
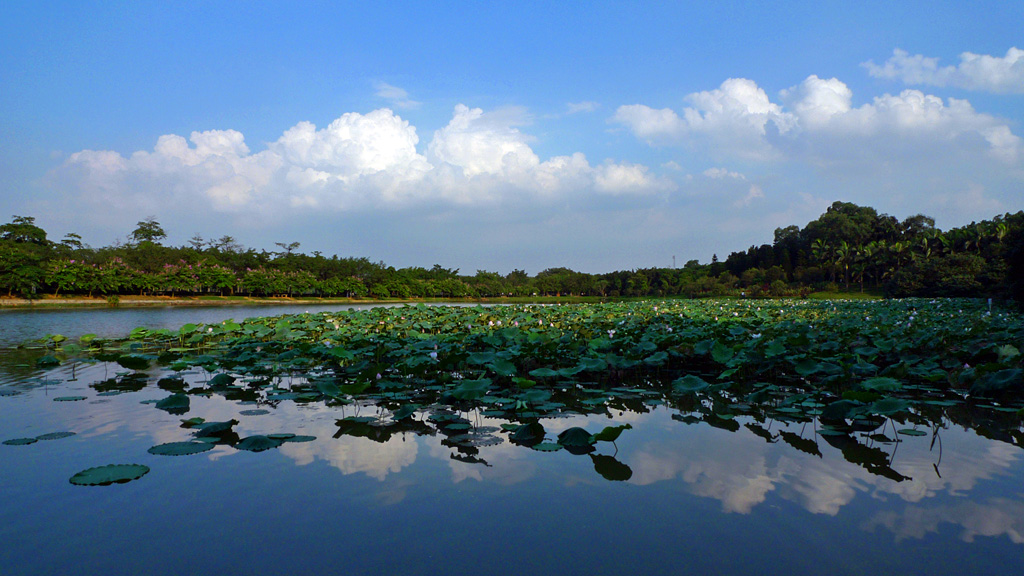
774	348
355	388
911	432
109	474
20	441
536	396
808	366
257	443
215	428
299	438
55	435
254	412
503	367
528	434
840	410
690	383
881	384
543	373
48	361
341	354
610	433
721	353
547	447
524	383
174	404
995	383
221	381
136	362
405	411
889	406
68	398
328	388
180	448
575	436
472	389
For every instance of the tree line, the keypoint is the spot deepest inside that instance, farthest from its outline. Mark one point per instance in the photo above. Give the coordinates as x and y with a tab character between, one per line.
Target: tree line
849	246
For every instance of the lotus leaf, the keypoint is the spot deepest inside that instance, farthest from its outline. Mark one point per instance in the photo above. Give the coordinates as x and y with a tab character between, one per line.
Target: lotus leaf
575	436
180	448
547	447
55	435
20	441
610	433
110	474
881	384
889	406
257	443
47	361
174	404
690	383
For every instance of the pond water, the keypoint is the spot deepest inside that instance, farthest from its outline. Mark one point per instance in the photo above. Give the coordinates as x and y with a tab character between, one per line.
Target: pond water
672	494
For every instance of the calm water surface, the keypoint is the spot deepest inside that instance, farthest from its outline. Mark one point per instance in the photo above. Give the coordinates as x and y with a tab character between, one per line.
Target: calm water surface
668	497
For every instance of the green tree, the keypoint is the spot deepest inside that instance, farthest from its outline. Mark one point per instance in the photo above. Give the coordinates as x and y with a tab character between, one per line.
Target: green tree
148	230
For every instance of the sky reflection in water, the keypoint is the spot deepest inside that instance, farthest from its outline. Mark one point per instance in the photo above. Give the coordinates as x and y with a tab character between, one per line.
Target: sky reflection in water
696	496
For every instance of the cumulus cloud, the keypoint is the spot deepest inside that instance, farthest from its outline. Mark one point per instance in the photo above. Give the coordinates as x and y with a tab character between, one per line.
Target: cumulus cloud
481	143
398	97
735	117
818	121
982	72
358	161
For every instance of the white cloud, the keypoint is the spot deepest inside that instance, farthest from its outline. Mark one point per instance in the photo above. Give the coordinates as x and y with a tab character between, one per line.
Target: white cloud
722	173
819	123
482	144
733	119
585	106
627	179
358	161
975	71
397	96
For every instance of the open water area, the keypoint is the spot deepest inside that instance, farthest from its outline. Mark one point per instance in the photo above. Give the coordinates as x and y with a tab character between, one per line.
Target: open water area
670	495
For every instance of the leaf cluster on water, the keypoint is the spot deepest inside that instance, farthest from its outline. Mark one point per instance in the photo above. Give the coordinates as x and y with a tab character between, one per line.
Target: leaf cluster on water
847	367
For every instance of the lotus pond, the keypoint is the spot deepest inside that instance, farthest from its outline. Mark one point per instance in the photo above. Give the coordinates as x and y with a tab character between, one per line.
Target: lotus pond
727	437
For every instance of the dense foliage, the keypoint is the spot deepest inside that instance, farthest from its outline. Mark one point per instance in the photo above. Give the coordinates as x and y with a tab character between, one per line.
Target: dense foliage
857	373
848	245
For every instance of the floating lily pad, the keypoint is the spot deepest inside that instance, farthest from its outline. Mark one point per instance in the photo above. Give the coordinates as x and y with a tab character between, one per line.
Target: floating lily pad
547	447
180	448
299	438
912	432
55	435
20	441
575	436
254	412
257	443
174	404
110	474
69	398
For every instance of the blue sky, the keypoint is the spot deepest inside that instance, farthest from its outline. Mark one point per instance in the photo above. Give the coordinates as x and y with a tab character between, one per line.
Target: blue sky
593	135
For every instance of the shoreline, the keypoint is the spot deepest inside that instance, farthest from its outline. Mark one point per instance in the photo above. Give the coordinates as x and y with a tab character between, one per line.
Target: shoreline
59	303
